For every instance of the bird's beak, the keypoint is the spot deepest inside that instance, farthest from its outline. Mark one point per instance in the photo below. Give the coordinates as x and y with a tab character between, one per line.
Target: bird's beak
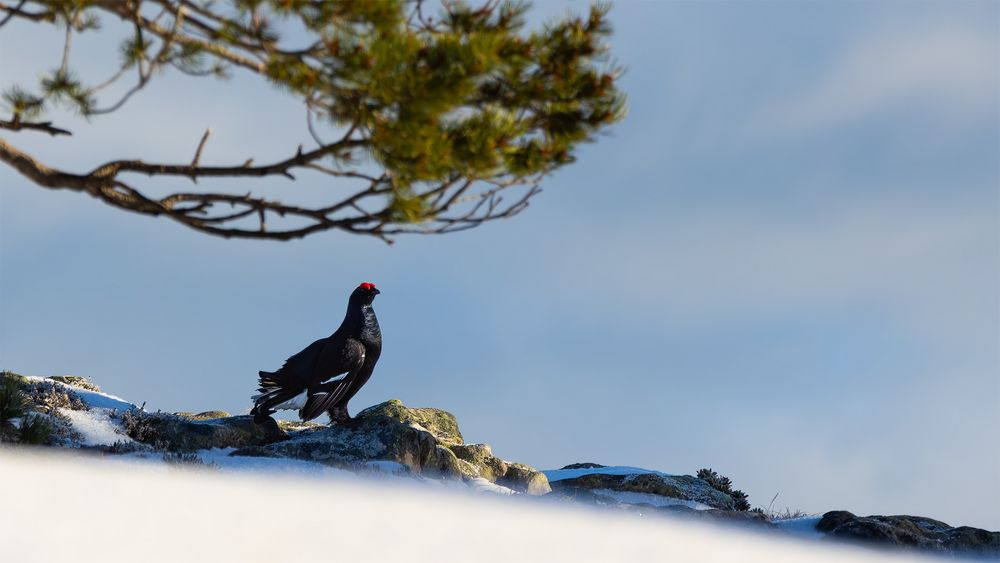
376	292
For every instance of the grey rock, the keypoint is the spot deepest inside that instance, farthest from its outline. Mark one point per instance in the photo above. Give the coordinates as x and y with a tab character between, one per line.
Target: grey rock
178	433
516	476
680	487
585	465
425	440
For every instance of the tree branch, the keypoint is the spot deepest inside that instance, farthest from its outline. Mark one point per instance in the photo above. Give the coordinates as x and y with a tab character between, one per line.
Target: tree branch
446	124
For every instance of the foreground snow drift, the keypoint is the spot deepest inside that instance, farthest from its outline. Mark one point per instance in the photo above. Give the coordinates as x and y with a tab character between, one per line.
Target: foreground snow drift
66	508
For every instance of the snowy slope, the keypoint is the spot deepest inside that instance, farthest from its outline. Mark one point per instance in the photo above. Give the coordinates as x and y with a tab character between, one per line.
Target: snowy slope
68	508
93	399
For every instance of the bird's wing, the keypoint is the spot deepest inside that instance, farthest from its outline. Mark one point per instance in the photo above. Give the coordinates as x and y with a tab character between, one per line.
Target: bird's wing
297	369
332	362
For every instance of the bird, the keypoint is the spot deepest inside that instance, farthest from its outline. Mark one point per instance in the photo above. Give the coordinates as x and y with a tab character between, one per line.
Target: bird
329	371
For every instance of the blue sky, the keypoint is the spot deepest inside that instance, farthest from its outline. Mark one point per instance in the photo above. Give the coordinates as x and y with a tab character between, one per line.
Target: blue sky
784	264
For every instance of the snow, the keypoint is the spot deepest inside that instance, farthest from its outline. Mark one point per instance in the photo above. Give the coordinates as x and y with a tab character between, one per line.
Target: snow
220	458
481	485
629	497
77	508
560	474
387	466
801	527
92	399
96	427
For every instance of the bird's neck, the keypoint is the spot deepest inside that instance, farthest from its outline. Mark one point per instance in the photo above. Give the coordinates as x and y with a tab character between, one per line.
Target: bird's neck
360	318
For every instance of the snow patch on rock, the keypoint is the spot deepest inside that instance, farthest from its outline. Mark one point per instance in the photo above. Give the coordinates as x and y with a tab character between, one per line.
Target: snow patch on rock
95	427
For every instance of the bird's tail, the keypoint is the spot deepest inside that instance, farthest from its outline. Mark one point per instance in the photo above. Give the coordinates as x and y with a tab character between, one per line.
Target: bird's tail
272	391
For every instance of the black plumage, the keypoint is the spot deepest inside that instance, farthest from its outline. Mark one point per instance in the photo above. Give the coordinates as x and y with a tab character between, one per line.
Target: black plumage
351	352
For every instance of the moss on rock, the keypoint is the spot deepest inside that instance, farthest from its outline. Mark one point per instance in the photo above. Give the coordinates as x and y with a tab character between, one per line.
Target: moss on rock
425	440
441	424
681	487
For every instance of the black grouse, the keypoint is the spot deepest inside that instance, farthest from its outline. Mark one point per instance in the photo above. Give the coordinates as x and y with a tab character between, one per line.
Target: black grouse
352	350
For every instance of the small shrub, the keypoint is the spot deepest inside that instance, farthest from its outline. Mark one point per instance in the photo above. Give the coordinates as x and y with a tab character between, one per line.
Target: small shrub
12	404
76	381
138	426
49	397
35	429
122	447
182	460
723	484
783	514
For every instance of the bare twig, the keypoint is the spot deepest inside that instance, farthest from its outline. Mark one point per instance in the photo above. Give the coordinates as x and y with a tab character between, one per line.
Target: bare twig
44	126
201	146
17	11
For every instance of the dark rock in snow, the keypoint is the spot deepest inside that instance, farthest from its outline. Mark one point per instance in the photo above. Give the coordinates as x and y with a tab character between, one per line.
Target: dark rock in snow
585	465
178	433
909	532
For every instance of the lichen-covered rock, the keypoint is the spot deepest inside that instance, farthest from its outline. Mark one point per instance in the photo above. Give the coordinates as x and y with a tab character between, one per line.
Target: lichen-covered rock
375	434
425	440
441	424
679	487
910	532
479	461
177	433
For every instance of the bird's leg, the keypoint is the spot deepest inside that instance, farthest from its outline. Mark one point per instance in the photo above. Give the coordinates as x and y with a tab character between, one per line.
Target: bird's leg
339	415
261	414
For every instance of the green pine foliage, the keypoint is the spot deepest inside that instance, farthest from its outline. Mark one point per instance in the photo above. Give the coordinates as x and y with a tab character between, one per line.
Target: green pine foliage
723	484
35	430
474	97
12	404
451	93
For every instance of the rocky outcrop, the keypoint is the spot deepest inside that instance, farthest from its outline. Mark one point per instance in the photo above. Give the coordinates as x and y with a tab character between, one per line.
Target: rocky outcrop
639	490
910	532
477	460
684	488
426	441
